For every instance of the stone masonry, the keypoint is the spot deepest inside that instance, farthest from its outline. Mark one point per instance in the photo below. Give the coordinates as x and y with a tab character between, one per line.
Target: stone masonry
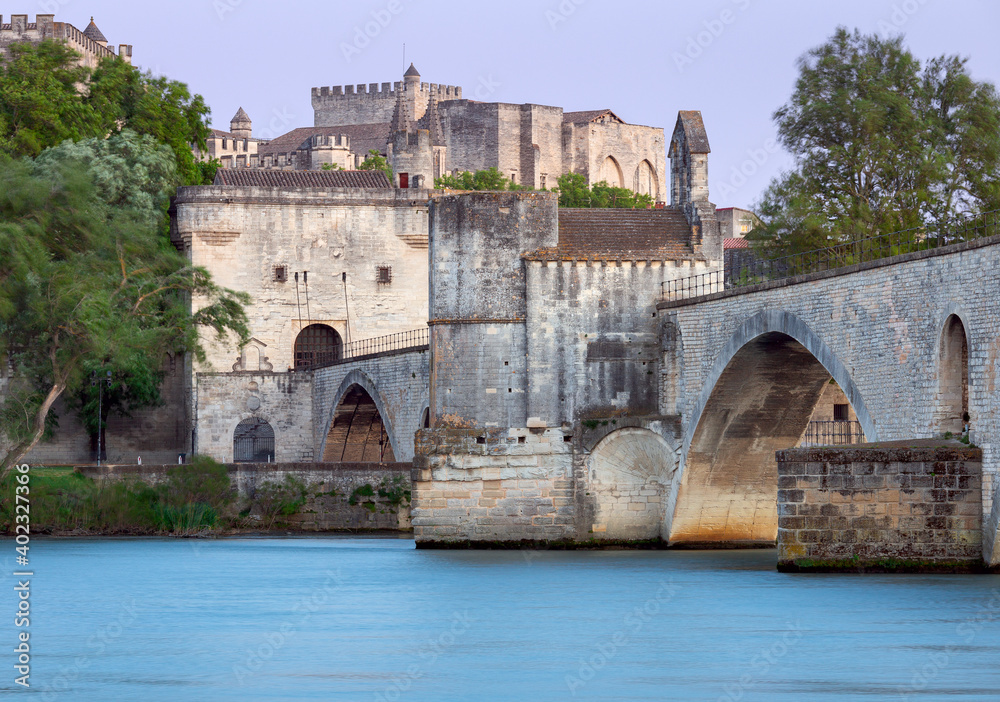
893	506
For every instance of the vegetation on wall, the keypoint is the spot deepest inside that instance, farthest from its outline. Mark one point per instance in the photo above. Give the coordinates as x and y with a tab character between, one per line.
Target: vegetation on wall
375	161
882	143
572	189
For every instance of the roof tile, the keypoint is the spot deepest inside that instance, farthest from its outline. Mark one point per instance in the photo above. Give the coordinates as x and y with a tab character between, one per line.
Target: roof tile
254	178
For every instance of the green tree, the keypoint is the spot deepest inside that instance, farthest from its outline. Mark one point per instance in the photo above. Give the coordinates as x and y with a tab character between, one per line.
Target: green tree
87	279
375	161
573	192
489	179
880	144
45	99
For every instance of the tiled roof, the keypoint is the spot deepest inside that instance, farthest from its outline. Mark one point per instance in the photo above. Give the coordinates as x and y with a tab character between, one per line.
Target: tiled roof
588	116
735	244
92	32
221	133
659	235
411	72
243	177
364	137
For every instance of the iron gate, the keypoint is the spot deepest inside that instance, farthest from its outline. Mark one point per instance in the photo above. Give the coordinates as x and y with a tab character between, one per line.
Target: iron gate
253	441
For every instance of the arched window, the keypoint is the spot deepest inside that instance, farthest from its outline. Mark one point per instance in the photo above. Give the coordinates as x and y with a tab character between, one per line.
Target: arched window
646	182
253	441
952	409
611	172
317	344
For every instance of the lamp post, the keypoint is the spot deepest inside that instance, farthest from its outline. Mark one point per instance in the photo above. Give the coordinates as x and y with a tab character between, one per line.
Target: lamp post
100	409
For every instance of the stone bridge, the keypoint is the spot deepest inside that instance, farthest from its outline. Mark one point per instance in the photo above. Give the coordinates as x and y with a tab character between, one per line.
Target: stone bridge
913	340
366	409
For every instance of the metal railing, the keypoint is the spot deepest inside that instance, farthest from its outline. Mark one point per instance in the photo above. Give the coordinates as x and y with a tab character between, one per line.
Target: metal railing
390	343
833	433
753	271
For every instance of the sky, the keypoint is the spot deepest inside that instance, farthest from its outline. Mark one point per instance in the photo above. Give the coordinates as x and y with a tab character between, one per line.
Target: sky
734	60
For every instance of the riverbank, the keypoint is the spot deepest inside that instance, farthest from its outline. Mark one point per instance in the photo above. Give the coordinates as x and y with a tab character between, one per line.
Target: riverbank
205	498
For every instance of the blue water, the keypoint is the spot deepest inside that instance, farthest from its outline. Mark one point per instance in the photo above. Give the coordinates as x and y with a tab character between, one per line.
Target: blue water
375	619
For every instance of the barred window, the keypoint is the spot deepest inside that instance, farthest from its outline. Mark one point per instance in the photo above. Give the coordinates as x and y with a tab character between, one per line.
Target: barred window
383	275
317	344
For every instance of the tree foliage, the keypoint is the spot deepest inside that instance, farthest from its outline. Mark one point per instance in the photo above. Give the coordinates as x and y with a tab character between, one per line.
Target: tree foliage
881	143
573	192
46	98
375	161
489	179
88	280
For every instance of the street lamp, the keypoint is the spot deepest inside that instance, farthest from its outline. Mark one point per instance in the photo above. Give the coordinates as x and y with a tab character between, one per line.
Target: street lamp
100	400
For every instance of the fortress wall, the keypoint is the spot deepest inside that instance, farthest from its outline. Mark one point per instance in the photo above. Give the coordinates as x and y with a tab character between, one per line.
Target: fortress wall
370	103
242	234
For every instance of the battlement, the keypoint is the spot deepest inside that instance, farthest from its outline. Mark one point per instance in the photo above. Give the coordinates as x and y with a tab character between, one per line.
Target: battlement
19	29
374	103
386	90
414	138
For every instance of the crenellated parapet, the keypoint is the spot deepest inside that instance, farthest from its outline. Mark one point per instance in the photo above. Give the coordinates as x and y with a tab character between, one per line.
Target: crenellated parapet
374	102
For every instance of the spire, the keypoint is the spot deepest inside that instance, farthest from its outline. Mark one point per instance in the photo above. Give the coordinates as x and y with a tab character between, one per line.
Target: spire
433	120
240	116
401	117
240	125
93	33
412	72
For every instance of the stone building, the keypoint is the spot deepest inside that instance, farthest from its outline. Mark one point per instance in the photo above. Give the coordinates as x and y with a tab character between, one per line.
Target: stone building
427	130
90	43
236	148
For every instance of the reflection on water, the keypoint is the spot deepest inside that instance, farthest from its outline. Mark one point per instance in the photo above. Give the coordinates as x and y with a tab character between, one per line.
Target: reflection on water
375	619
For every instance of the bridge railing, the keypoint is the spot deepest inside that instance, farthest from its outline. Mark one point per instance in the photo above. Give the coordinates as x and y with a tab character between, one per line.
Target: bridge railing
833	433
379	345
753	271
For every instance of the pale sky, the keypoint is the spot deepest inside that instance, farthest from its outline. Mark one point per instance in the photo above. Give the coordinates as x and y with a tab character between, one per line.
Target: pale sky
732	59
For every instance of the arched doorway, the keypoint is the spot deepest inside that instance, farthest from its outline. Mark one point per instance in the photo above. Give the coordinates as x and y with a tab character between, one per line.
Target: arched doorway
952	406
629	473
317	344
253	441
645	181
357	432
761	403
611	173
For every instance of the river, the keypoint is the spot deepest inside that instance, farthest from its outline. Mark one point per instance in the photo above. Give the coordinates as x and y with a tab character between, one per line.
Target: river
376	619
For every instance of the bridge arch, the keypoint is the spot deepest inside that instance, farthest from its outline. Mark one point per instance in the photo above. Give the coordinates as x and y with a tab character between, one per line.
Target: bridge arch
757	398
357	378
629	472
951	399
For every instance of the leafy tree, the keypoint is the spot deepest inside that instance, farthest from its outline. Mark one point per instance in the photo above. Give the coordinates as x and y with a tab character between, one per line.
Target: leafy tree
87	279
375	161
45	99
573	192
881	144
489	179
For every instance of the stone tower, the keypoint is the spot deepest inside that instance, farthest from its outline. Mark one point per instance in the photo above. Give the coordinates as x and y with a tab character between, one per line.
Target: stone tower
688	154
95	34
416	147
240	125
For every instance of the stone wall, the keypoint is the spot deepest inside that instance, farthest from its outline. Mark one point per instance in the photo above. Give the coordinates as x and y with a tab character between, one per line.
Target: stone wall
330	489
371	103
587	146
916	507
243	235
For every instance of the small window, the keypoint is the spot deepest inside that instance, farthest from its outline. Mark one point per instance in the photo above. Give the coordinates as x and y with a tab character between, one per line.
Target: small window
542	182
280	274
223	143
383	275
841	413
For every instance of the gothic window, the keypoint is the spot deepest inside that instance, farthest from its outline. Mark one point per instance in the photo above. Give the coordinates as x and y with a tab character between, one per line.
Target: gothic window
317	344
611	172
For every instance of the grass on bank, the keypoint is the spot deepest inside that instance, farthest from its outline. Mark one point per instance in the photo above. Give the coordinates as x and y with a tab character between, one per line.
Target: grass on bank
193	498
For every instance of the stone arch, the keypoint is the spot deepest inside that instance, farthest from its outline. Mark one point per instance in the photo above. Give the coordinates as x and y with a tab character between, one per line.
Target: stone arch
359	379
425	418
315	345
254	440
629	473
646	181
611	172
757	399
951	406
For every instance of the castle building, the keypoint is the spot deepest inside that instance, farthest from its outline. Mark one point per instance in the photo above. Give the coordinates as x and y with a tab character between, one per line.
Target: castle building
90	43
235	148
427	130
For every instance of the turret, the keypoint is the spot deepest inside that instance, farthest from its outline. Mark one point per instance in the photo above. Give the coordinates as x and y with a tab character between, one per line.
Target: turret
95	34
240	125
688	154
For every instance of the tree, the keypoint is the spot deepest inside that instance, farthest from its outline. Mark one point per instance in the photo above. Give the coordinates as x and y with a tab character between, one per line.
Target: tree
489	179
573	192
881	144
375	161
88	280
46	98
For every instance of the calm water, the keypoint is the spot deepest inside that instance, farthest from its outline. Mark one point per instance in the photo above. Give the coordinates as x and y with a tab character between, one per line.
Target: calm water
374	619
